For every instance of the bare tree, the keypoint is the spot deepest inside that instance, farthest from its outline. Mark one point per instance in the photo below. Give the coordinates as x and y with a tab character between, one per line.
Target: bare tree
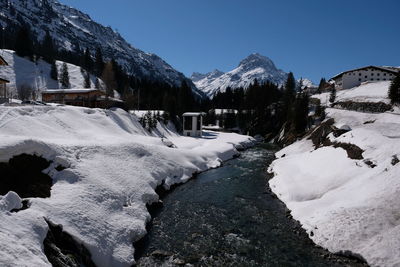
25	92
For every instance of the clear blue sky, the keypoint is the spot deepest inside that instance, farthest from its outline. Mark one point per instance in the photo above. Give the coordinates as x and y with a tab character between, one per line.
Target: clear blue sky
312	38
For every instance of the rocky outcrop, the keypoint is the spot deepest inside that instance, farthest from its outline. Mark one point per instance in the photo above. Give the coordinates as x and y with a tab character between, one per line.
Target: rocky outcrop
374	107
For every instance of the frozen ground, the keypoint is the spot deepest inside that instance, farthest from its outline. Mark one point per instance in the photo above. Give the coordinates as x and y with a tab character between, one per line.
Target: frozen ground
368	92
345	204
113	166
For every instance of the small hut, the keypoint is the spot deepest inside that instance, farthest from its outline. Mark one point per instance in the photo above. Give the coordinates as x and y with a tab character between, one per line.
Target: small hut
193	124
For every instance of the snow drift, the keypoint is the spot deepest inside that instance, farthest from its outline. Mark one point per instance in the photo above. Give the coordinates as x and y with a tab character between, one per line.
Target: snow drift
112	169
346	204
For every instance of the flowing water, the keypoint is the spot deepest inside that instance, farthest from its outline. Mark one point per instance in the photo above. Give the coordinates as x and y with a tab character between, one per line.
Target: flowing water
228	217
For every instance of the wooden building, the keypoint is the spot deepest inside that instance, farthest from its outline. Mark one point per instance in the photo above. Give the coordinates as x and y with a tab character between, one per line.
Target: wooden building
91	98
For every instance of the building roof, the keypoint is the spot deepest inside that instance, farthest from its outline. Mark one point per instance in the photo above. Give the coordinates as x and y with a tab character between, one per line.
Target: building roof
3	61
4	80
384	68
193	114
69	91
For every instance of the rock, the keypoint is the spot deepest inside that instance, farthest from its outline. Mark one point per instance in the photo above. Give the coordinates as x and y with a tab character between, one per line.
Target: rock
395	160
10	202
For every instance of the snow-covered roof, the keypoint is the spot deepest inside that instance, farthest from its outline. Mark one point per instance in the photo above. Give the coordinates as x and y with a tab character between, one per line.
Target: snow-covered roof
193	114
69	91
384	68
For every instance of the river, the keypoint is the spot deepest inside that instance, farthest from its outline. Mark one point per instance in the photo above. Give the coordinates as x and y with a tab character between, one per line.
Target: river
228	217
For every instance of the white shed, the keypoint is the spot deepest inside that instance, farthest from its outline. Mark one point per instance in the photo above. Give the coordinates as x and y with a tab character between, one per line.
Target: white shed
193	123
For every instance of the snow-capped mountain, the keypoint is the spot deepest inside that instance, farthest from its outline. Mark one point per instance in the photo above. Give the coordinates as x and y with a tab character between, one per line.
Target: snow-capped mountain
306	83
71	28
253	67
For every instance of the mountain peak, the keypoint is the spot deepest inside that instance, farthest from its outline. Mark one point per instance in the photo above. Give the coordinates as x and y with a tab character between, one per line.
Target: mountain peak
258	60
255	66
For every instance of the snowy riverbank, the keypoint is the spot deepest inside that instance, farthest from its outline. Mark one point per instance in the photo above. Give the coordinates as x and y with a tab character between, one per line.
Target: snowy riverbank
112	168
347	204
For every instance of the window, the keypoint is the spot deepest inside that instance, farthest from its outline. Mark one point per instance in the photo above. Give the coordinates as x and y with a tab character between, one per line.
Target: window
188	123
366	76
384	79
372	79
384	74
359	74
372	74
359	79
378	74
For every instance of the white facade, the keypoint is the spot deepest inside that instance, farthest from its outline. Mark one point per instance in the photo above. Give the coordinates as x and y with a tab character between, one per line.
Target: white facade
353	78
193	124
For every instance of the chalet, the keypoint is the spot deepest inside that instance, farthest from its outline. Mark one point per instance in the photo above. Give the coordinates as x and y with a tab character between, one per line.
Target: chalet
355	77
193	124
91	98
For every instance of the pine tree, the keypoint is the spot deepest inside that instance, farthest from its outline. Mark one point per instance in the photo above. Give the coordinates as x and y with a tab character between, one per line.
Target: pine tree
99	63
97	83
394	90
86	81
87	60
321	85
332	96
301	112
64	79
48	48
54	71
289	95
108	78
23	43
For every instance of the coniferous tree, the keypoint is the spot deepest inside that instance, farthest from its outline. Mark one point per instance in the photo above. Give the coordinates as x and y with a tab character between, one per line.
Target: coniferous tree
332	96
301	112
87	60
289	96
99	62
47	48
321	85
24	43
64	79
108	78
86	81
394	90
97	83
54	71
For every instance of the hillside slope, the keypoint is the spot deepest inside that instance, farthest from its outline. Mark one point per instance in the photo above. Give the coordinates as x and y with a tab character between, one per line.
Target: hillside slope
347	201
22	71
72	28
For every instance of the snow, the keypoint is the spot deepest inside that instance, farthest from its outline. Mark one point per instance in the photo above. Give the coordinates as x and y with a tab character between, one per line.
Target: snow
346	204
253	67
10	201
112	169
367	92
22	71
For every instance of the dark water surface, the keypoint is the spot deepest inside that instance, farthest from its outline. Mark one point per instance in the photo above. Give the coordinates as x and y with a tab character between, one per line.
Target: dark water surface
227	217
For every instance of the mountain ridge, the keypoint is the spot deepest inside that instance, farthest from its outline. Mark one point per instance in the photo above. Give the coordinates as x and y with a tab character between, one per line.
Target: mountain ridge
71	28
254	66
